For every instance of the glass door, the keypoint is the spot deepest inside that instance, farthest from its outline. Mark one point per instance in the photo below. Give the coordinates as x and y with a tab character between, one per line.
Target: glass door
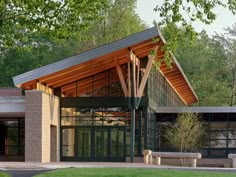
101	144
93	143
68	143
117	143
109	144
83	143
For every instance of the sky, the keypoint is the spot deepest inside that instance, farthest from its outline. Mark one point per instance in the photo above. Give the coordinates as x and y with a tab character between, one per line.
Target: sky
224	17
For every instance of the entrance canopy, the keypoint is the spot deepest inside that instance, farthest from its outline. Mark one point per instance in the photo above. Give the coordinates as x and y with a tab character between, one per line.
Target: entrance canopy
105	58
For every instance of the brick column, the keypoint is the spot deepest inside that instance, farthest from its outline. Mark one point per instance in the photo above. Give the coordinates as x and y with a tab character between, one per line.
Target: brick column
41	111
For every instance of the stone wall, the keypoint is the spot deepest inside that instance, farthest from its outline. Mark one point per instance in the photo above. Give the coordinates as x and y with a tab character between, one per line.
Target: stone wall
41	113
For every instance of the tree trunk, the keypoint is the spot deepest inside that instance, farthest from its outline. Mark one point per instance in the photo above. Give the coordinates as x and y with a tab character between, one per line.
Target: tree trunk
234	87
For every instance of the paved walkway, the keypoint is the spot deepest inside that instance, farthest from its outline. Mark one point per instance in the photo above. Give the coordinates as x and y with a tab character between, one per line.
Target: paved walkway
25	173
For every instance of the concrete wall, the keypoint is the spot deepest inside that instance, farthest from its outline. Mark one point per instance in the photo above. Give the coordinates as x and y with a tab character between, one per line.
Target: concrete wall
41	112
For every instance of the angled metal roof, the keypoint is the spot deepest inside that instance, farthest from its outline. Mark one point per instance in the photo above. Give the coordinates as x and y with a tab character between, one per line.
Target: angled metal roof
101	59
86	56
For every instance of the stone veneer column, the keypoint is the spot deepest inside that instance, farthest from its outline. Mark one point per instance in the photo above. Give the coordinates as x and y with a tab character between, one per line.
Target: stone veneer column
41	111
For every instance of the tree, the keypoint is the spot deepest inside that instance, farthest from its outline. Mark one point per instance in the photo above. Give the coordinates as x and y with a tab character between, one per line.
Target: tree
37	22
229	45
204	62
187	133
118	19
184	12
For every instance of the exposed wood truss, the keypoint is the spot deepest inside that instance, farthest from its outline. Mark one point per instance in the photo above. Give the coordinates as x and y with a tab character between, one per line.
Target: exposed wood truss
43	88
133	72
121	77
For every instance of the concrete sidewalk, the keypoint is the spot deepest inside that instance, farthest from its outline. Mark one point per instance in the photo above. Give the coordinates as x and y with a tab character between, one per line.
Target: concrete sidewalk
57	165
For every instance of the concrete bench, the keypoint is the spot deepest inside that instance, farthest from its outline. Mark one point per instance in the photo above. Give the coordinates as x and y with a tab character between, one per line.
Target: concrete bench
233	157
148	155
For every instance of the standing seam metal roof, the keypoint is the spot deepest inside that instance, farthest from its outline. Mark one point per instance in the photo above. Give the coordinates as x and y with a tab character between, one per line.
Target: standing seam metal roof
86	56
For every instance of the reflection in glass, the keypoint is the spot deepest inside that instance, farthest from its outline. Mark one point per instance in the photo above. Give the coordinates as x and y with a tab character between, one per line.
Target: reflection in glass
232	143
218	143
218	135
12	136
102	84
68	142
115	116
84	142
218	126
101	143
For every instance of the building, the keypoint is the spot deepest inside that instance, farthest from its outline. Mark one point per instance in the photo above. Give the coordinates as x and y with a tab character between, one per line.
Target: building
99	105
220	124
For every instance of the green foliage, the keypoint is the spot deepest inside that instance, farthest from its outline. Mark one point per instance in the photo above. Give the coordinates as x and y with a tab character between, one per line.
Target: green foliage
131	172
204	62
184	12
120	20
20	61
229	45
186	134
116	19
22	21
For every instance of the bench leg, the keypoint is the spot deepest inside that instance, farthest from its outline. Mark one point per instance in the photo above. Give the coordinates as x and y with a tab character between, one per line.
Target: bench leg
158	160
145	158
150	159
234	162
194	163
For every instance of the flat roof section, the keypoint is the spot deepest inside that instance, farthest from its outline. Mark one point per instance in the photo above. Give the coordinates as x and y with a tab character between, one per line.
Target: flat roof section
12	106
196	109
10	91
102	58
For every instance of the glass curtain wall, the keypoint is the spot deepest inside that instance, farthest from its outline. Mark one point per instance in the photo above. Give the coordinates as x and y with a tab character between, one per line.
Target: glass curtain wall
161	92
151	130
12	132
221	133
102	84
98	133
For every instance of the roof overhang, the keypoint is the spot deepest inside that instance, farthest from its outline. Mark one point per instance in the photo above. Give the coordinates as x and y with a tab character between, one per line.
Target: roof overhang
102	58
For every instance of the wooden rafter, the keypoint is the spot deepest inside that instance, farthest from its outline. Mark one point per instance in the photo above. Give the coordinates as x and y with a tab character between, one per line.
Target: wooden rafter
121	77
145	76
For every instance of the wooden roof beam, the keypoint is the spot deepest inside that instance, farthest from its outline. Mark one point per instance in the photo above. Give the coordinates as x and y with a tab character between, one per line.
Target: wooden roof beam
121	77
146	74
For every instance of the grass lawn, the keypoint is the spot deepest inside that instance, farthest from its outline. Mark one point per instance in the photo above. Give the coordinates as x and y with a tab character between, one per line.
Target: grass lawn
3	174
129	172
